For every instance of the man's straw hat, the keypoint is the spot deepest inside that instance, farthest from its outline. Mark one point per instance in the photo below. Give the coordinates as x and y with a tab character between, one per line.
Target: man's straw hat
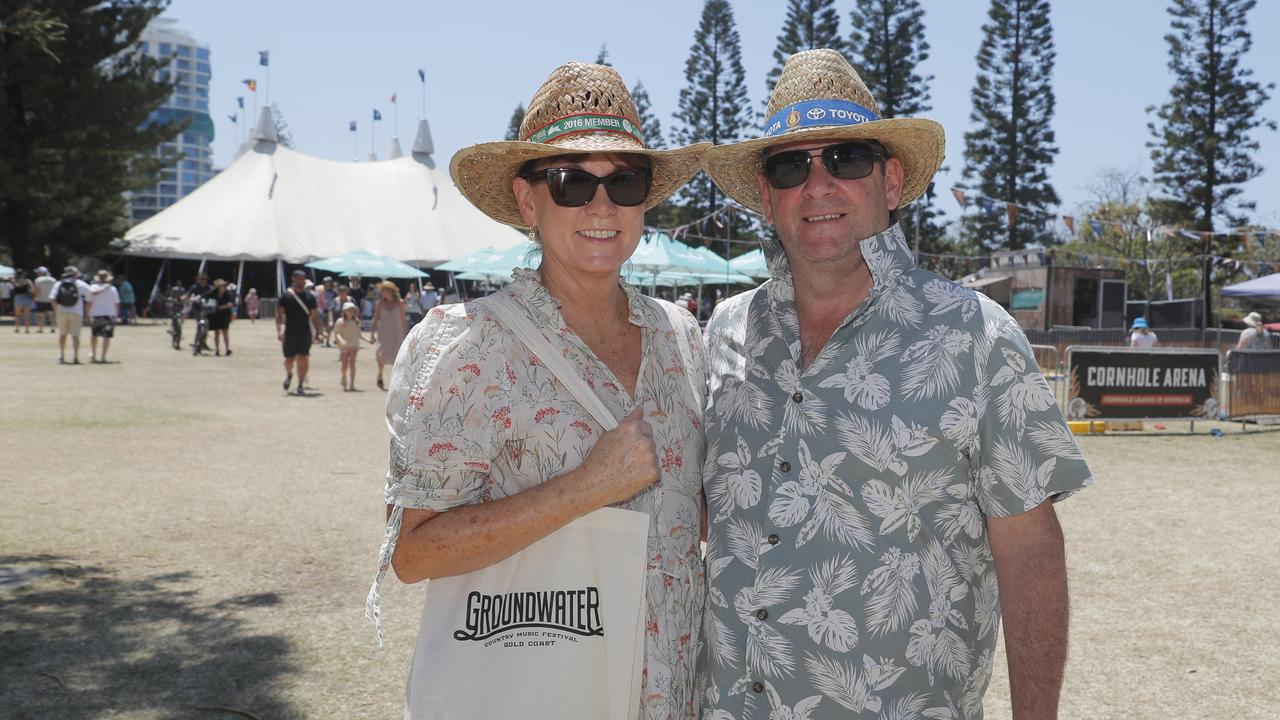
581	108
819	97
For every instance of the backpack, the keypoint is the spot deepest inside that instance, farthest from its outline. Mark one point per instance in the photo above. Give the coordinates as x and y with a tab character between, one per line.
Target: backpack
67	295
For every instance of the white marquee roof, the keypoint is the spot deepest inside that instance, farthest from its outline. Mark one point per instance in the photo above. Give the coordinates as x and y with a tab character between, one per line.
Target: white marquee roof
273	202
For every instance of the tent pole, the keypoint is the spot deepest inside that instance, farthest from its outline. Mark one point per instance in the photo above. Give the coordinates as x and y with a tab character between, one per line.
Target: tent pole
155	289
239	288
279	278
202	260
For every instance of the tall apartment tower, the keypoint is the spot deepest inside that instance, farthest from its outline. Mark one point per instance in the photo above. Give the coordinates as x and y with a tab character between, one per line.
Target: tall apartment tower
190	99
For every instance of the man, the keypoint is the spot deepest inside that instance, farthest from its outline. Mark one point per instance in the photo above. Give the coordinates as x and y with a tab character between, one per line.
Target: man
430	298
883	452
296	315
196	295
43	295
128	301
104	307
68	298
1255	336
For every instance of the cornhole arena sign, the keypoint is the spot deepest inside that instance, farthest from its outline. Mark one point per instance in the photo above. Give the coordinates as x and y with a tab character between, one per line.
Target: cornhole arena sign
1142	384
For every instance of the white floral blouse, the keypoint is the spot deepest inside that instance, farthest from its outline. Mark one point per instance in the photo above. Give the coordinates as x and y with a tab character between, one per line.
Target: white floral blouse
475	417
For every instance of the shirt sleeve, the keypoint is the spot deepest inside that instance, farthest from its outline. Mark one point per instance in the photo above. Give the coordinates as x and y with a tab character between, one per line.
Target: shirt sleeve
1027	453
444	434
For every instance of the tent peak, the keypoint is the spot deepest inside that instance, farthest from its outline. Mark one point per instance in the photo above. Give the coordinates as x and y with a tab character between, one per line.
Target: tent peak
422	144
395	151
265	130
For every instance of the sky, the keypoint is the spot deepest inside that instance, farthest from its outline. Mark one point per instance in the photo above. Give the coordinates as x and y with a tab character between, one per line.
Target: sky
333	62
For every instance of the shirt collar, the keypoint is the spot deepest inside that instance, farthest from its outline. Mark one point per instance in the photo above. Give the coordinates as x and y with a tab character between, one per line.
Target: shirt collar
885	253
527	288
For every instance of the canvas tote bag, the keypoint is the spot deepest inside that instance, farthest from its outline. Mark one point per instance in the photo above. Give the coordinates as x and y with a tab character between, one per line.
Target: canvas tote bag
554	631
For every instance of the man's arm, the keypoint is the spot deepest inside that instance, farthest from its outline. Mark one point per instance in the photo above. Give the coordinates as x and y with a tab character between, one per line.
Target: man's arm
1032	573
315	322
280	318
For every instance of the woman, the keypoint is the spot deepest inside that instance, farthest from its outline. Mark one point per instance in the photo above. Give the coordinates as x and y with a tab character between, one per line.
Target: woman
413	305
347	337
220	320
23	301
251	305
1142	336
490	453
389	326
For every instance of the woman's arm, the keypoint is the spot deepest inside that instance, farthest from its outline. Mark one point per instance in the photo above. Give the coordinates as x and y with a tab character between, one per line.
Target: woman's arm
467	538
373	324
404	318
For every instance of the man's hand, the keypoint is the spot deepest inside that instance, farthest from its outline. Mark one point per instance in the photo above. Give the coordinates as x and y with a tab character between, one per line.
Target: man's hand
1032	573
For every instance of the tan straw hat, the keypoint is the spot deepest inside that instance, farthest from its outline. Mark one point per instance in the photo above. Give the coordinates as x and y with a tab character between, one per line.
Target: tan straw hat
581	108
819	96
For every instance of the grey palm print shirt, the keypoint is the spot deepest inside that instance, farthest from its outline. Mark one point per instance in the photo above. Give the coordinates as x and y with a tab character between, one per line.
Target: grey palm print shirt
848	565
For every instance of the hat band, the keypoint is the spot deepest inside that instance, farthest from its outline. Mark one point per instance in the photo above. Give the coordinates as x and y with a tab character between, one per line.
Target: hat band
586	123
817	113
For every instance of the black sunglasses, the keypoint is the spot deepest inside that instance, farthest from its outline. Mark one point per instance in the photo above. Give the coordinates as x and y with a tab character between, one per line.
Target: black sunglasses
846	161
571	187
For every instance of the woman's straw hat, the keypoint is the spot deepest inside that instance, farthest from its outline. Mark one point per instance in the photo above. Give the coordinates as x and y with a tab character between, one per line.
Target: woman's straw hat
581	108
389	285
820	97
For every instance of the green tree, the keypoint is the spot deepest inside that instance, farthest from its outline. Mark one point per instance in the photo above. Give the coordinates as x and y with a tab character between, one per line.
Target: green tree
888	47
810	24
713	106
1008	153
75	127
1203	148
649	125
602	57
513	126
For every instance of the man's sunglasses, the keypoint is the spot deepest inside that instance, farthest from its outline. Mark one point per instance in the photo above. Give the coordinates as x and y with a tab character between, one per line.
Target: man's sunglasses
571	187
846	161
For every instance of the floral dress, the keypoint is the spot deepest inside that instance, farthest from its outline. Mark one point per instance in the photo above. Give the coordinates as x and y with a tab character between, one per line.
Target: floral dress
475	417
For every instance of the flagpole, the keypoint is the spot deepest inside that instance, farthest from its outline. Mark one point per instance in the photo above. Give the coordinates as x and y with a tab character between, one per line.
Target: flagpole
395	114
355	145
373	136
422	75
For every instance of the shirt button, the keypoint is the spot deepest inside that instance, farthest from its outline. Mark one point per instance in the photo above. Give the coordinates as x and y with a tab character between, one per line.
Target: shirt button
757	687
784	466
773	538
762	614
798	397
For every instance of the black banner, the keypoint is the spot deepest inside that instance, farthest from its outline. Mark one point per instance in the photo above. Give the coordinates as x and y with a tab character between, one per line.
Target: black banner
1137	384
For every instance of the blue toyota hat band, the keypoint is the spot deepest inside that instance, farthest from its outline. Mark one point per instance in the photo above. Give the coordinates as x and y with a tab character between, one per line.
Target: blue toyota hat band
818	113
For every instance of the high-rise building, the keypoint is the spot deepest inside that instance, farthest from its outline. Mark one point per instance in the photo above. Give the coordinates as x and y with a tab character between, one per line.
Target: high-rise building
189	67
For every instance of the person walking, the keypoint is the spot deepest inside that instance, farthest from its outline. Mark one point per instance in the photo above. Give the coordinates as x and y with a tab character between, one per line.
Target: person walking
429	299
128	301
69	297
42	293
1255	336
296	319
23	302
1142	335
220	321
104	307
884	453
252	305
412	305
389	326
347	336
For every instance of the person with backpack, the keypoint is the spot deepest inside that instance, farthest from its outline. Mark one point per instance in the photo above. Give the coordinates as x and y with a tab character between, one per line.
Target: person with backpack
68	303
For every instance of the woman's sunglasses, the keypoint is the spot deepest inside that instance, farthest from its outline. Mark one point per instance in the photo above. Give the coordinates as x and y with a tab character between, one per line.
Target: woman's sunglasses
846	161
571	187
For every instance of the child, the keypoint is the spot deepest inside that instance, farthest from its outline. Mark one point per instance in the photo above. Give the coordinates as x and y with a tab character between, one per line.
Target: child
346	335
251	305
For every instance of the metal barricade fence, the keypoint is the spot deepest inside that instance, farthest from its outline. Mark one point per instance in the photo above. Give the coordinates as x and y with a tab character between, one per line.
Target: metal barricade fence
1254	383
1050	362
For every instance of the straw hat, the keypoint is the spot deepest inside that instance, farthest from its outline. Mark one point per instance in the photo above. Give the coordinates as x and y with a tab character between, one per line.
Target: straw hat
820	97
1253	319
103	276
581	108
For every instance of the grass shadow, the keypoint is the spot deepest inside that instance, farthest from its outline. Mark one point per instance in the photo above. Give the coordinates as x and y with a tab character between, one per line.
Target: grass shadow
82	643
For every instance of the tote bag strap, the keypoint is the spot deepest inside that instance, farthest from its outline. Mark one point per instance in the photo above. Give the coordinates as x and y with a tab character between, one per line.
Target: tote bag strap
677	325
514	319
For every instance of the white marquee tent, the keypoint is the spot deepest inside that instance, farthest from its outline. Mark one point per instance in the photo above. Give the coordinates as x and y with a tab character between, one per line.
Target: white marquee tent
273	203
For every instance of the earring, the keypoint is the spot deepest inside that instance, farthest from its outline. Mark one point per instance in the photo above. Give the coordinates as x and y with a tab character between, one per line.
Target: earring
533	235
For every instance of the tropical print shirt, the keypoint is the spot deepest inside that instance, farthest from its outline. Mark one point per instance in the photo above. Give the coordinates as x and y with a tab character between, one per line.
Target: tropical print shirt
848	565
475	417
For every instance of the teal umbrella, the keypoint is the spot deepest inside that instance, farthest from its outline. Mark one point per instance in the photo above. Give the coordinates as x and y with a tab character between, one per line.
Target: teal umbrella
366	264
6	271
490	261
751	263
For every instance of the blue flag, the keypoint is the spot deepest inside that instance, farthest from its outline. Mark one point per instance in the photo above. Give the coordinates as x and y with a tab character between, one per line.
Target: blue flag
240	102
351	126
377	115
1097	227
264	57
422	75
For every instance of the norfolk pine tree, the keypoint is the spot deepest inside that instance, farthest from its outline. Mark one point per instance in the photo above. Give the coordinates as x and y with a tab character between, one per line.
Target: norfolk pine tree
1009	151
810	24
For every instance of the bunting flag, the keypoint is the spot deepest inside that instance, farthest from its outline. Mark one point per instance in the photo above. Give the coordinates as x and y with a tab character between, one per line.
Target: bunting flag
240	102
251	84
377	115
351	126
987	205
1012	210
1120	227
959	195
422	75
1097	228
393	98
1071	223
232	118
264	57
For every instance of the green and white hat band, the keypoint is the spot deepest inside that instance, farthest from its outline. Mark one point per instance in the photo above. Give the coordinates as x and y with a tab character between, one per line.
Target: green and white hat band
572	124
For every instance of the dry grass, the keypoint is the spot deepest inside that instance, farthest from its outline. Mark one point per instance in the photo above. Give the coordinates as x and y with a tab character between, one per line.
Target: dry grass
211	542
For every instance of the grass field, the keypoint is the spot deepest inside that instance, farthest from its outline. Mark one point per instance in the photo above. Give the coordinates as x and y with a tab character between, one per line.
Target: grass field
208	543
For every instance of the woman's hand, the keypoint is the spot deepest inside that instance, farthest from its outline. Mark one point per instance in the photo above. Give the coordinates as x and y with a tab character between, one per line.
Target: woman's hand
623	462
